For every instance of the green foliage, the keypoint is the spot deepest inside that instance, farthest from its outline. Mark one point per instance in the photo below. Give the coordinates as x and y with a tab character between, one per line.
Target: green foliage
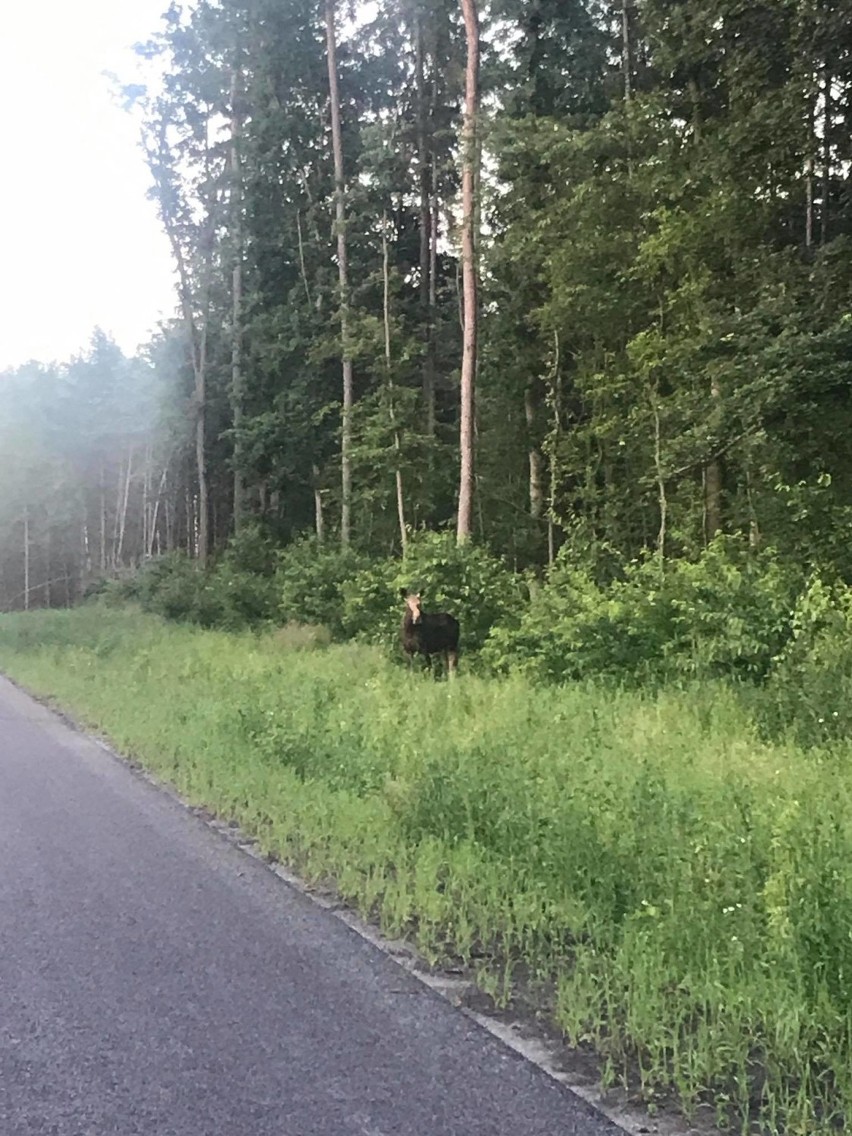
310	579
171	586
226	595
727	614
809	694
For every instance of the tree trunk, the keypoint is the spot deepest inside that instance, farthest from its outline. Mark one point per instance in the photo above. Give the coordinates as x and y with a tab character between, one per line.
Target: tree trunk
152	530
469	272
237	386
553	448
26	559
809	179
713	477
826	155
536	458
87	554
431	352
122	516
48	570
103	557
146	502
626	59
400	495
661	482
203	530
116	519
424	178
343	279
319	517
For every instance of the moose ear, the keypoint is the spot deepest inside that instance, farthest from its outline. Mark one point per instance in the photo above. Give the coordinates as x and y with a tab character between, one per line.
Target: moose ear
404	593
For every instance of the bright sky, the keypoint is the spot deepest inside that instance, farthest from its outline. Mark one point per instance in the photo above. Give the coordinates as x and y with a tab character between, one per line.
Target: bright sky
80	244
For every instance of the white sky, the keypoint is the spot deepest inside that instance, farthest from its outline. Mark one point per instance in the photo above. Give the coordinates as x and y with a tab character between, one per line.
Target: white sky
80	244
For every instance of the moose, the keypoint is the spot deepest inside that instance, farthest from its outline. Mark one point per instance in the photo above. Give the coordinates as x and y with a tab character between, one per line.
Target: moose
428	633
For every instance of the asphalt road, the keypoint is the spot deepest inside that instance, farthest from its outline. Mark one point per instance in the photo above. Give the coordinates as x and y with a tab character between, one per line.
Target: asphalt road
155	979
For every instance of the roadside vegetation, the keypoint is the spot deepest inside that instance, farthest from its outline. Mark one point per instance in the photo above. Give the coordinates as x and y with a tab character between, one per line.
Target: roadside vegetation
634	804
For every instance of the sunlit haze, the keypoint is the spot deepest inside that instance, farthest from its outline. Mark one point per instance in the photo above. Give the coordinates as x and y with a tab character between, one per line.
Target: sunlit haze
81	245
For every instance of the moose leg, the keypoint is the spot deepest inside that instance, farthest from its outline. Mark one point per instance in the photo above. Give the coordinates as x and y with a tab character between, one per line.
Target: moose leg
452	658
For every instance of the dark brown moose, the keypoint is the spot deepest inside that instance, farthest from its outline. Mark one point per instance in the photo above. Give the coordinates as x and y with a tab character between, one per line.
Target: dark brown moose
429	633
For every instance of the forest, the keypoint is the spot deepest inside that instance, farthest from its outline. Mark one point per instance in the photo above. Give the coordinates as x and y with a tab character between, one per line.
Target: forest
570	280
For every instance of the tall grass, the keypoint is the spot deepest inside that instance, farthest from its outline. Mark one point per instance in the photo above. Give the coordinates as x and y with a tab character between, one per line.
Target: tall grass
680	890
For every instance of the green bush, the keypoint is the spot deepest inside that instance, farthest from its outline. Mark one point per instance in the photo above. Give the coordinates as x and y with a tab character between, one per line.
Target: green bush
237	598
310	579
731	611
173	586
725	615
226	595
809	692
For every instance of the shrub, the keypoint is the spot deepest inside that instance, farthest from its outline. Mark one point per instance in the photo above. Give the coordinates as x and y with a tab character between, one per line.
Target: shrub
731	610
809	691
726	614
225	595
310	579
173	586
237	598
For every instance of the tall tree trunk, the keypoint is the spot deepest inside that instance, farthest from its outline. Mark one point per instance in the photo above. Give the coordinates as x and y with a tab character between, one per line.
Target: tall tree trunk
713	476
424	178
826	155
319	516
146	502
116	519
122	516
553	447
102	519
397	445
48	569
203	530
469	272
536	458
87	554
237	385
26	558
431	353
809	178
661	481
152	529
343	279
626	56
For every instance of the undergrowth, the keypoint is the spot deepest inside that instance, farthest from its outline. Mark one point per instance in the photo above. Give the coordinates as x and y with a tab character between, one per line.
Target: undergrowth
683	886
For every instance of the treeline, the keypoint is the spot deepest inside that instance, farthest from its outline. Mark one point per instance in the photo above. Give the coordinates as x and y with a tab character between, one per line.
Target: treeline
653	250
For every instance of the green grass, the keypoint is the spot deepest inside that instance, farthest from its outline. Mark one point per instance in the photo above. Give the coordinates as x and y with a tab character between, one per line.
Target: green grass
682	890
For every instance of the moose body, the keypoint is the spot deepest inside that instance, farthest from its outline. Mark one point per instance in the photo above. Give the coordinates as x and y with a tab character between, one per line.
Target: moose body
429	633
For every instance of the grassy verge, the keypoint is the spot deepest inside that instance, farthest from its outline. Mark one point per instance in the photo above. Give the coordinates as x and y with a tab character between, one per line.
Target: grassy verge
682	890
